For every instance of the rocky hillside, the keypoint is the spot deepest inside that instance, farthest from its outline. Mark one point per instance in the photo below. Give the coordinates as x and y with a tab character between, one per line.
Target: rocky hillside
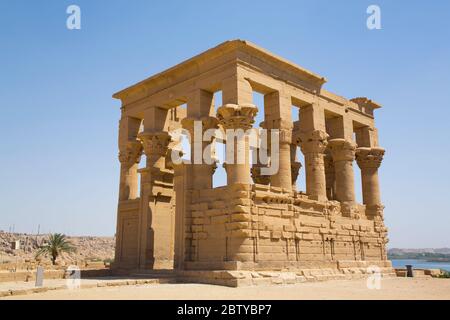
87	248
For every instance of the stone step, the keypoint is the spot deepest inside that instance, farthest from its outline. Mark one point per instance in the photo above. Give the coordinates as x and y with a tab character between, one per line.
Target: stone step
154	274
19	288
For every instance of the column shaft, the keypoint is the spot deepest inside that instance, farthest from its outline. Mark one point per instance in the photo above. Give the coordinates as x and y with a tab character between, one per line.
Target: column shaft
129	157
369	160
180	188
128	189
295	166
330	176
283	177
238	169
277	116
343	153
201	167
315	175
345	186
370	186
130	151
154	248
313	146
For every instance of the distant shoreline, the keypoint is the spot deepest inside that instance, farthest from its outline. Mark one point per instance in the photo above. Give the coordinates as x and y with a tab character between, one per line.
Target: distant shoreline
426	255
443	260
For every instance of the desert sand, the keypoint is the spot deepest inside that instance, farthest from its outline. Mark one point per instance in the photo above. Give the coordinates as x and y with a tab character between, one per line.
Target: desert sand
392	288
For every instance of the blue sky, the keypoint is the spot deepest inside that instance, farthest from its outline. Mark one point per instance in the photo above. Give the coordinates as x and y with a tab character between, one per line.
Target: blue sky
58	163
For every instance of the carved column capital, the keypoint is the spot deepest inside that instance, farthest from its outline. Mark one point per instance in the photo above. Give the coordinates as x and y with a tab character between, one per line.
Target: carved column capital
369	157
210	123
155	143
285	135
313	141
257	176
207	123
131	154
233	116
369	160
342	150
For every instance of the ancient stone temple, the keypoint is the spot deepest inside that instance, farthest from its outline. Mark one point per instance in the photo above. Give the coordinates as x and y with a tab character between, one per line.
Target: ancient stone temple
258	228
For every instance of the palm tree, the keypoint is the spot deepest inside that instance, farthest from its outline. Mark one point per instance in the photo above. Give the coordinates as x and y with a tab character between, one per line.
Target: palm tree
56	244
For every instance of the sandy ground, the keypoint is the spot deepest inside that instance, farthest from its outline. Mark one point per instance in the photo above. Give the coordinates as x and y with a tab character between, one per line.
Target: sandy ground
394	288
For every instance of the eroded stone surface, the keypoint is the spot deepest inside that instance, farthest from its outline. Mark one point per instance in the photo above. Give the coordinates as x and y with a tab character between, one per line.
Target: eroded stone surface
249	231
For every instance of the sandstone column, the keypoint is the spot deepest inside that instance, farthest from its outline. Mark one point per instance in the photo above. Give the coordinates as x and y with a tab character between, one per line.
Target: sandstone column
330	176
257	166
313	146
130	150
155	146
129	160
277	116
237	113
261	153
311	135
295	166
180	188
283	178
236	119
369	160
201	151
154	225
199	118
343	153
257	174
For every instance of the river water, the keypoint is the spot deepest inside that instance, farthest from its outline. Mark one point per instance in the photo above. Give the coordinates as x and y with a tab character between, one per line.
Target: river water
420	264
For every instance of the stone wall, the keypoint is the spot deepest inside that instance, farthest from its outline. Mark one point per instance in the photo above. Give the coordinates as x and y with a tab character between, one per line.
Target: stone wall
258	227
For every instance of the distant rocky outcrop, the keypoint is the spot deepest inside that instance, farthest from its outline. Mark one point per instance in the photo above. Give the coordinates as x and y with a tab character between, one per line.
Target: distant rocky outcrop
20	248
427	254
425	250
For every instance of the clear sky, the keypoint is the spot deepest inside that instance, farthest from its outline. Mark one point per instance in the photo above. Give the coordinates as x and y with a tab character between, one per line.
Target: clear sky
58	162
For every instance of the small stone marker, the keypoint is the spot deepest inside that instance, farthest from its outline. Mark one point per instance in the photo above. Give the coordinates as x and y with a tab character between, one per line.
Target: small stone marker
73	277
15	245
39	277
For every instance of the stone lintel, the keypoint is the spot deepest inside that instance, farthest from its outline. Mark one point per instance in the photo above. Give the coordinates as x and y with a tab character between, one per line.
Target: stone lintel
239	50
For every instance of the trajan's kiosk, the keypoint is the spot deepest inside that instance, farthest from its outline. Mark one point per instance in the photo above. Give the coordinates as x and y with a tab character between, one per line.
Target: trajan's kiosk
257	229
